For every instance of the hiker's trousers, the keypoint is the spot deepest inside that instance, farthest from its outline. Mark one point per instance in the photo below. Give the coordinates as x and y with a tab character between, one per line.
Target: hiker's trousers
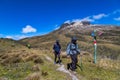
57	55
74	61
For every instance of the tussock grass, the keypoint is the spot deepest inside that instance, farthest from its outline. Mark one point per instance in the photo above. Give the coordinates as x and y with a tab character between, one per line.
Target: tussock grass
21	63
34	76
105	69
29	64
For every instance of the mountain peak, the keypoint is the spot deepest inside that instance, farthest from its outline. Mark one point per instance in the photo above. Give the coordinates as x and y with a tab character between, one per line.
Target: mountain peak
75	24
84	27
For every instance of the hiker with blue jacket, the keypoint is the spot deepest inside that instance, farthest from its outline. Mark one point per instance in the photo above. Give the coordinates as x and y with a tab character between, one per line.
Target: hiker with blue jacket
73	51
57	51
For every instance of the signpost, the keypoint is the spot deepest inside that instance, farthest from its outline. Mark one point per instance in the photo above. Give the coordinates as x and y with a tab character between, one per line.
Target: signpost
93	34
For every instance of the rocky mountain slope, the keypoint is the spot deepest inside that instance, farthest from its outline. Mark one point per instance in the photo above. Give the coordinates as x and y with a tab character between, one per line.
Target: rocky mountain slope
108	41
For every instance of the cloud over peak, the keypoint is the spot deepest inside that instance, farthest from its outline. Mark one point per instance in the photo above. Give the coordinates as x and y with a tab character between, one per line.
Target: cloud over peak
68	21
80	20
99	16
88	19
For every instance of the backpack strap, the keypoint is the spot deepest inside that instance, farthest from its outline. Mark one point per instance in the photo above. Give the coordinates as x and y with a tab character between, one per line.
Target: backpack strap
71	46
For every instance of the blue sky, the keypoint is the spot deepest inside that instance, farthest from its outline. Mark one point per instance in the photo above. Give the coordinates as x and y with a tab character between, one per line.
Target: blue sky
24	18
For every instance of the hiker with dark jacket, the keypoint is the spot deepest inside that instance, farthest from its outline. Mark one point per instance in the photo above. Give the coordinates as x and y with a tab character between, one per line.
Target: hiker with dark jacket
57	51
73	51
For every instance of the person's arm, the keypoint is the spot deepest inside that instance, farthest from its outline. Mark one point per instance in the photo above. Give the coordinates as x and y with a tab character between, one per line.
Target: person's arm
59	48
68	49
53	46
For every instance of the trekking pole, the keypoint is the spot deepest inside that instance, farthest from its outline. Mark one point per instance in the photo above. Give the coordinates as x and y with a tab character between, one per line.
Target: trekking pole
80	66
81	63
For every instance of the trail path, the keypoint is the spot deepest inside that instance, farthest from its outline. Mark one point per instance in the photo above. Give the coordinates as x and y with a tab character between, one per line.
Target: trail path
62	69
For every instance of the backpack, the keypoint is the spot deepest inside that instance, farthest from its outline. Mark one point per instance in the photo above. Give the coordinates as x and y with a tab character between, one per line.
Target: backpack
56	47
72	49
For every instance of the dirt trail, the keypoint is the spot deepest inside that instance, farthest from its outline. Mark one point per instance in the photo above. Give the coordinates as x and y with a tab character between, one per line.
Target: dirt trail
62	69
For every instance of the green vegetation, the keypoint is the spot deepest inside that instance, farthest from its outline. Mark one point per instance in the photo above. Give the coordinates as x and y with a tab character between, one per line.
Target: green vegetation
108	42
31	65
18	62
105	69
34	66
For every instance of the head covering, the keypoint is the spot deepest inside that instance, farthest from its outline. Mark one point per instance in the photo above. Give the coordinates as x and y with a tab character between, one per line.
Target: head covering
73	40
57	41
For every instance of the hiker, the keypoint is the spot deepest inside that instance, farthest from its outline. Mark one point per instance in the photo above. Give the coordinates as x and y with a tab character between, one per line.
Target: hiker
28	46
57	51
73	51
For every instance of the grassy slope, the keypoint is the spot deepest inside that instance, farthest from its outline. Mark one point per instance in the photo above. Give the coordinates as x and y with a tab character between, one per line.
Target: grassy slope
20	63
28	65
17	62
33	65
108	43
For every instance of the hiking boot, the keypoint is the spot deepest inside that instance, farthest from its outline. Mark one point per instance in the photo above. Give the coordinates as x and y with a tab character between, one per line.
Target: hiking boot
68	66
75	67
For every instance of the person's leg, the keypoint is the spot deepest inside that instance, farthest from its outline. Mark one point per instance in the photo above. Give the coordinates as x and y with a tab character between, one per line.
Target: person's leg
55	57
59	61
69	65
74	62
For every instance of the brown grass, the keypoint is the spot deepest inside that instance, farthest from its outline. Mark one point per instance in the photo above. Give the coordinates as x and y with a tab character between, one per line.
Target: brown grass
34	76
21	56
109	64
36	67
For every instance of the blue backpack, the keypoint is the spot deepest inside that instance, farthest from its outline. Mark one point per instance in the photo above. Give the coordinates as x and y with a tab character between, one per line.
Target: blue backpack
56	48
72	49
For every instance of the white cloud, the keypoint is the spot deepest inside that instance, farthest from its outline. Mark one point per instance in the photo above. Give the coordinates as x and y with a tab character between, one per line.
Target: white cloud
117	19
99	16
16	37
28	29
84	19
10	37
68	21
93	18
87	19
76	20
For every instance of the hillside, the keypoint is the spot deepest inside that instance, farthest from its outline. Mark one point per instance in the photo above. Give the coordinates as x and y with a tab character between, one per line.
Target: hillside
108	42
17	62
33	64
7	45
